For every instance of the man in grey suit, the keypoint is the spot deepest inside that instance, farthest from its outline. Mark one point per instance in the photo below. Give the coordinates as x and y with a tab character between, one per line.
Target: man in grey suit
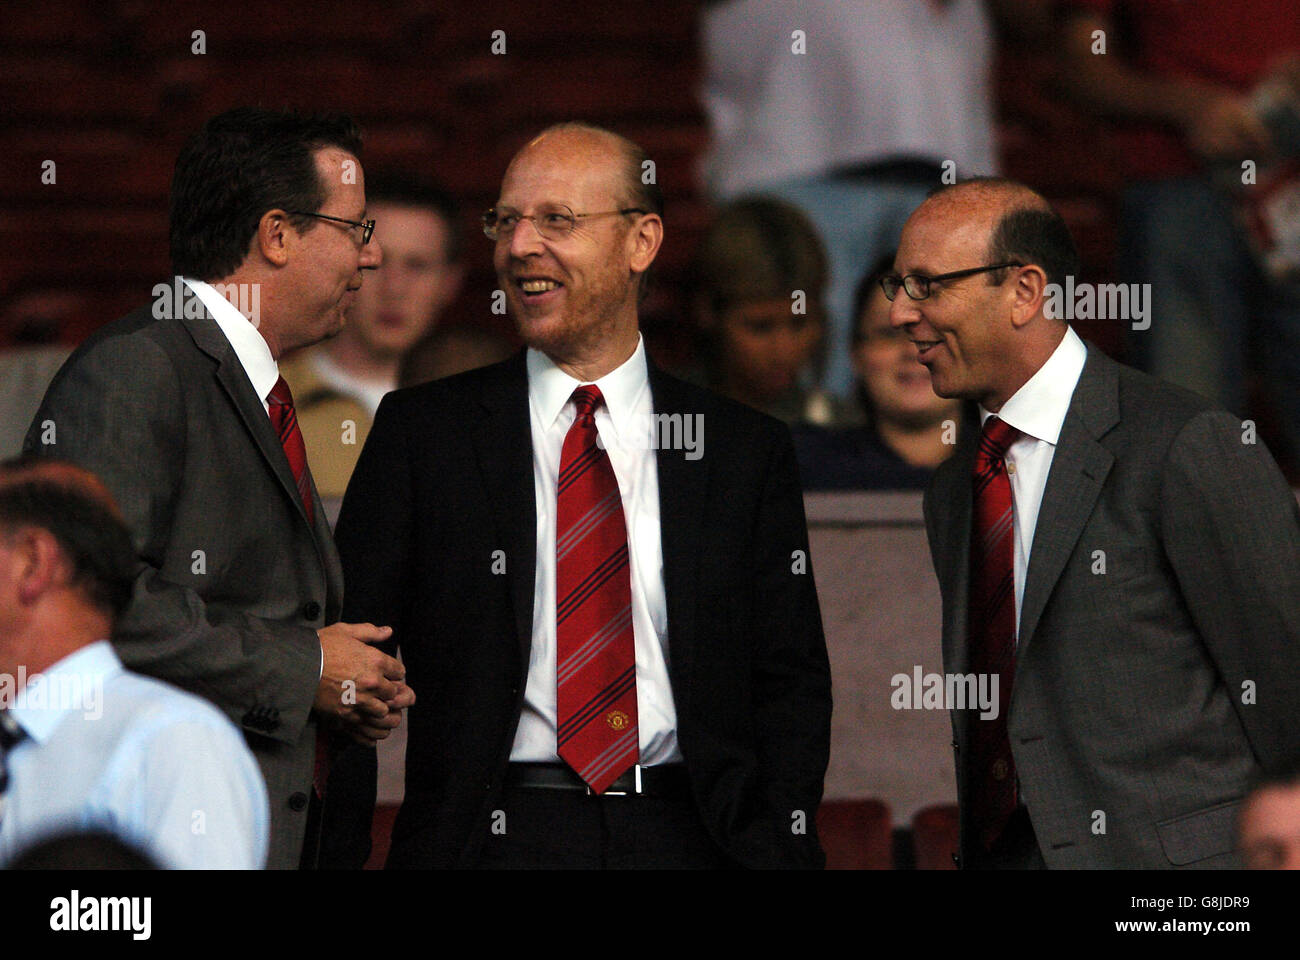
180	409
1120	555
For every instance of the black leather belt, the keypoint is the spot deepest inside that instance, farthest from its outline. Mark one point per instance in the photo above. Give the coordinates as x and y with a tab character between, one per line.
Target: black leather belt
667	780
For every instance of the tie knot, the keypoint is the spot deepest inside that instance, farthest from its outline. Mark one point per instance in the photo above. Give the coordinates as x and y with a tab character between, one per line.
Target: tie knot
997	438
587	399
280	394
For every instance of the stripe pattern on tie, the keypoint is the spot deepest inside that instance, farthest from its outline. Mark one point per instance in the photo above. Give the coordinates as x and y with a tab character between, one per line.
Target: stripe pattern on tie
990	772
595	664
285	421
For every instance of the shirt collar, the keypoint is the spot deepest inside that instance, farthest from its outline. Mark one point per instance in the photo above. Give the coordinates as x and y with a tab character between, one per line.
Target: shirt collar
85	670
1039	407
249	345
549	388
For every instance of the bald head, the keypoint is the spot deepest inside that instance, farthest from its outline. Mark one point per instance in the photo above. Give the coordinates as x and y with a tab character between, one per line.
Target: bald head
577	231
67	476
982	332
605	146
988	194
1018	223
74	508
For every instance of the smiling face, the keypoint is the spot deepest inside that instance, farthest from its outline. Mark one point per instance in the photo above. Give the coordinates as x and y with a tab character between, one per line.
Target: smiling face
570	296
962	331
899	388
327	259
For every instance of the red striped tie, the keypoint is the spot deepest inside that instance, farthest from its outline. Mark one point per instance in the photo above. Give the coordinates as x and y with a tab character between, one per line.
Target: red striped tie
991	774
285	421
596	716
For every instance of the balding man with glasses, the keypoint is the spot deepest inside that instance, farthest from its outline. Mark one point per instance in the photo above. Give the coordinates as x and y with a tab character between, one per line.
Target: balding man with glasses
598	573
1119	561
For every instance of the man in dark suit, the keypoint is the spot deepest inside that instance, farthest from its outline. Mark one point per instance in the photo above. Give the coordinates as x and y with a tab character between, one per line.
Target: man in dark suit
1120	555
180	409
616	639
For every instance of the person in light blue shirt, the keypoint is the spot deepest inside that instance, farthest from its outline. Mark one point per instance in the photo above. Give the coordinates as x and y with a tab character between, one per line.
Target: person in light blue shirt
87	744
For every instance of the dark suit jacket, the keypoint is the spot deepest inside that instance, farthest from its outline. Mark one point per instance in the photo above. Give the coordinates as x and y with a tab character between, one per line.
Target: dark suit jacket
1146	696
446	481
232	581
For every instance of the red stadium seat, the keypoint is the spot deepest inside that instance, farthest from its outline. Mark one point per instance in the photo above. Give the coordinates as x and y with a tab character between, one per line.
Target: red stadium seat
934	837
856	834
381	835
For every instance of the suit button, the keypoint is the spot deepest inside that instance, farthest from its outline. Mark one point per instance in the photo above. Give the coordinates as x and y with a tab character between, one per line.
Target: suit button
310	610
956	861
298	802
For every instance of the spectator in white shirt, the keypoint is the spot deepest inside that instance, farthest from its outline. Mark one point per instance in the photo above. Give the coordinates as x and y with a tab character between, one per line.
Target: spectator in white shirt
88	745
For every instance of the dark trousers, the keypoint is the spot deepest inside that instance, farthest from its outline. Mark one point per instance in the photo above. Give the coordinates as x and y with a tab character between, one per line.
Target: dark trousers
539	828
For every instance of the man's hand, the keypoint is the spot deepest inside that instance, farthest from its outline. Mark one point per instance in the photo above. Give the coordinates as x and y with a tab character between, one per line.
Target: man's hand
370	729
361	687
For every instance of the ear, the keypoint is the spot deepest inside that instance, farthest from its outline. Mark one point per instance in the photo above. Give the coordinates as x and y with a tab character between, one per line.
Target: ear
1028	293
275	236
646	239
35	563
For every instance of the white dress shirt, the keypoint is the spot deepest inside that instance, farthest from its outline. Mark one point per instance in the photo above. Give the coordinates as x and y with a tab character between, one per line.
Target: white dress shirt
1037	410
625	426
107	749
249	345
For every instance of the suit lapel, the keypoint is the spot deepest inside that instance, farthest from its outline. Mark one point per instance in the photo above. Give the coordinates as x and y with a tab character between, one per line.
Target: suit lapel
1079	468
234	381
503	445
681	520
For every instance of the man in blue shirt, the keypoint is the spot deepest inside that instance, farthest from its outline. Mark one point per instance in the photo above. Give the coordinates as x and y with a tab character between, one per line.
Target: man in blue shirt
86	745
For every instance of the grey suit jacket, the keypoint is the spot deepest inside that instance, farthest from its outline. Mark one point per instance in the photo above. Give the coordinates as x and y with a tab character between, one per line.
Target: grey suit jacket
232	581
1146	696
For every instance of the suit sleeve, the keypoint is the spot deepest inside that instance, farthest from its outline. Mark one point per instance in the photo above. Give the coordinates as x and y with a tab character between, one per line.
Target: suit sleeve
792	680
117	411
1231	530
374	531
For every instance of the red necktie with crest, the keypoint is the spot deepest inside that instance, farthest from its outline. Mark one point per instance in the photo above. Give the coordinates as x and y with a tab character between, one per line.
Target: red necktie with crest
596	718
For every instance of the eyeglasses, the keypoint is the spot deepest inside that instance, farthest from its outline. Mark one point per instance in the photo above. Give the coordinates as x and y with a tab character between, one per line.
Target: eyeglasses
917	285
553	221
367	226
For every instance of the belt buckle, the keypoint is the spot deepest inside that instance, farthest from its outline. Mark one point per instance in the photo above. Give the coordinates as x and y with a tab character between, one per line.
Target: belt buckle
636	786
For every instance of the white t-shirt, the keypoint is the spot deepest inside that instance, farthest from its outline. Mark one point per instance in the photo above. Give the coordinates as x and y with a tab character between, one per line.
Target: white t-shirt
879	80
